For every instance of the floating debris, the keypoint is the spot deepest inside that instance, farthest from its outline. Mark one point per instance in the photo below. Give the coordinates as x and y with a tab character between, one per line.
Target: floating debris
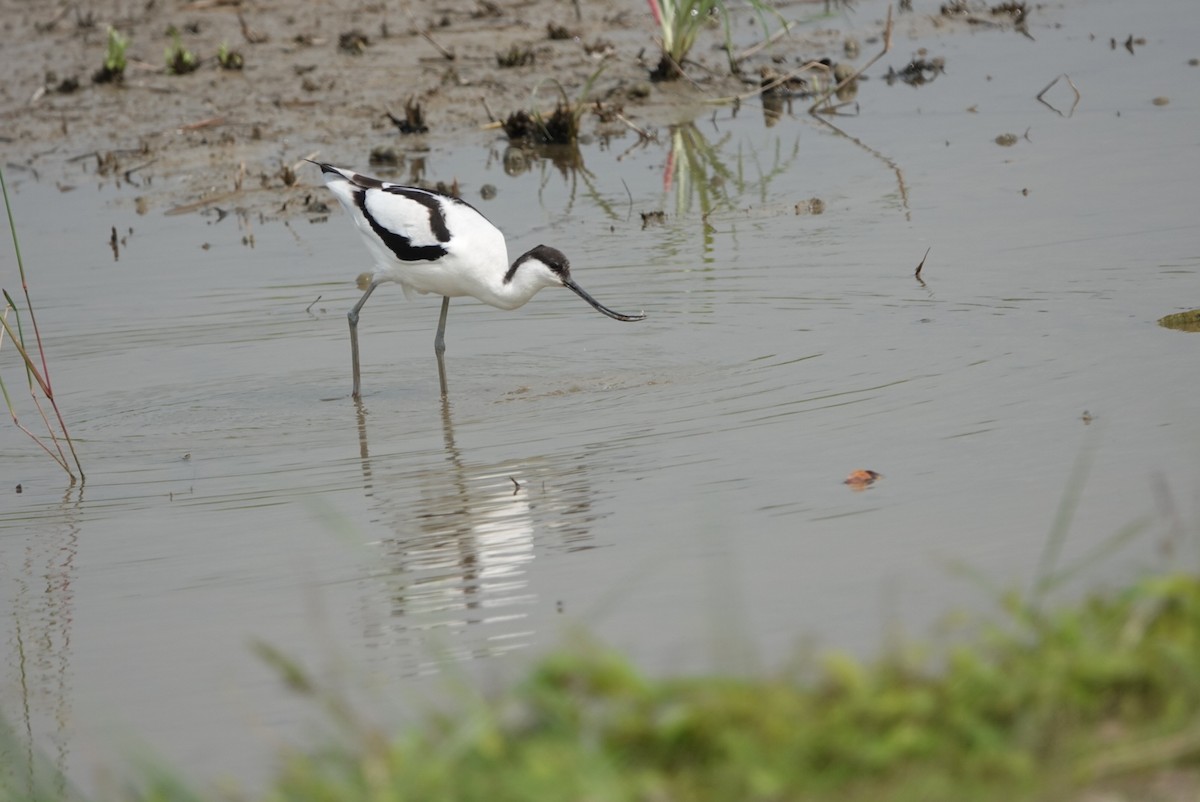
861	479
654	218
1182	321
1006	140
917	72
811	206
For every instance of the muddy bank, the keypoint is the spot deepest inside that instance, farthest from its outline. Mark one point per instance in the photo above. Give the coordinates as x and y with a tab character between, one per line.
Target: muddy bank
271	84
220	100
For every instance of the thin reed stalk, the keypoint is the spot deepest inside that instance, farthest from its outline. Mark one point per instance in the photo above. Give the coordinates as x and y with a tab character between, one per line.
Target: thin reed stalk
37	380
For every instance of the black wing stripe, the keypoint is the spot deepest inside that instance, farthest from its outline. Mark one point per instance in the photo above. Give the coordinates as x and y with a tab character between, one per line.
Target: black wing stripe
398	243
437	219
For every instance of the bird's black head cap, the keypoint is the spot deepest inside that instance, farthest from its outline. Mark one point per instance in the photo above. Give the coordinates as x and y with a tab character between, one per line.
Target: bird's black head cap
552	258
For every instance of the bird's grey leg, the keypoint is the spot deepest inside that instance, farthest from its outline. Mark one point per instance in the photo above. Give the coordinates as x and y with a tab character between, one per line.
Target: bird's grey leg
439	340
352	316
439	344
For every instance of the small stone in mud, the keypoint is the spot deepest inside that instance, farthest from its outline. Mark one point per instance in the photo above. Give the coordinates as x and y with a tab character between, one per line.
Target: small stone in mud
353	42
487	192
1006	140
639	91
1161	101
811	206
599	47
487	8
64	87
1194	62
516	161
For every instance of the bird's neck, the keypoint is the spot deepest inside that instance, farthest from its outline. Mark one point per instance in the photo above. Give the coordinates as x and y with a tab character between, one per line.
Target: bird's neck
521	282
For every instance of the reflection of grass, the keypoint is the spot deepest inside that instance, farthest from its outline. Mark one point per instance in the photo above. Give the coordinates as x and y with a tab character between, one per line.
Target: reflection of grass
1032	707
37	380
697	172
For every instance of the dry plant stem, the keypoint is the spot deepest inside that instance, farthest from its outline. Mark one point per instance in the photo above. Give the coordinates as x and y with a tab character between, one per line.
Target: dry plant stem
446	54
633	127
752	49
1142	756
44	378
887	46
60	457
920	267
767	87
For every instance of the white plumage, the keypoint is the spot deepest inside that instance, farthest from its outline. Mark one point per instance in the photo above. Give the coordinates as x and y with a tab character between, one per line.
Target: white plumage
428	242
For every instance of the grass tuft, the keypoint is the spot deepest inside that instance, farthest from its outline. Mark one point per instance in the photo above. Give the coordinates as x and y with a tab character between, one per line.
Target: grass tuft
113	68
1063	705
179	59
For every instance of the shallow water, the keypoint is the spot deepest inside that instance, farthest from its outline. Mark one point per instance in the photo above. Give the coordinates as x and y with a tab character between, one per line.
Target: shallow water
675	485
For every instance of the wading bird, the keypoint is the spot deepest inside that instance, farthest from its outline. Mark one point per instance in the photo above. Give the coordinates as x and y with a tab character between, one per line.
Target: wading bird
429	242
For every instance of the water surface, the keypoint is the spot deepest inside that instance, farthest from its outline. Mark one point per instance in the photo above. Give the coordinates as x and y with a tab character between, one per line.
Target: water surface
675	485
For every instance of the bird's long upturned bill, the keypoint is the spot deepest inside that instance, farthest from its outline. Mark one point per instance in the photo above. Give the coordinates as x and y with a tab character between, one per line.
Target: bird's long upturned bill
582	293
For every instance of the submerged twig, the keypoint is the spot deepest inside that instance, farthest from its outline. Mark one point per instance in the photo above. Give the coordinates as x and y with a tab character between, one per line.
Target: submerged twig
641	132
446	54
917	274
1049	86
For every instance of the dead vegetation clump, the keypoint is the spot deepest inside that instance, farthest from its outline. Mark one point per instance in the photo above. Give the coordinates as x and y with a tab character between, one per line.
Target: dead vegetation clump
561	127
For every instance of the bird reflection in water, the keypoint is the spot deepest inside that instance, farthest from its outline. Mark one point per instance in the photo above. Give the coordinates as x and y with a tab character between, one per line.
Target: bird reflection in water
455	575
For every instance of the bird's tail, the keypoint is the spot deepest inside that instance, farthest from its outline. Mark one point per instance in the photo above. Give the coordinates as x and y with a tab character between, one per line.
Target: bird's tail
327	169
